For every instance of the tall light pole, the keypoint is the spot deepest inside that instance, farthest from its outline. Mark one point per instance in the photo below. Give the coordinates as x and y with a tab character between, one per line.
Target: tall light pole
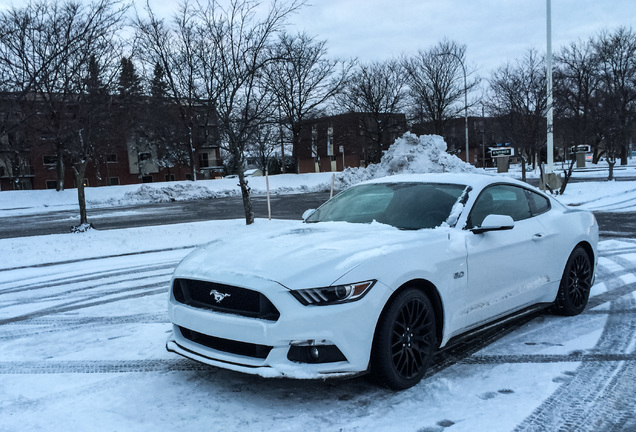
461	62
549	116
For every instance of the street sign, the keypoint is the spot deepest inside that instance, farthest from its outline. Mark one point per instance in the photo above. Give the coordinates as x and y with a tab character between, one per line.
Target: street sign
580	149
501	152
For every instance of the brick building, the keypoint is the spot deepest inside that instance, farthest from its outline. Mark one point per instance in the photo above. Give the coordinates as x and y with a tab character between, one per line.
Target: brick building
28	156
345	140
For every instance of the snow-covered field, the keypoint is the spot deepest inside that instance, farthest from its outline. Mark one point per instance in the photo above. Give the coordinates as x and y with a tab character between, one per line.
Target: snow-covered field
83	326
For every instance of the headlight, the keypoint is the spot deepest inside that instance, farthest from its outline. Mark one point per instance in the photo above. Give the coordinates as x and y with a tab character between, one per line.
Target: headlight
333	294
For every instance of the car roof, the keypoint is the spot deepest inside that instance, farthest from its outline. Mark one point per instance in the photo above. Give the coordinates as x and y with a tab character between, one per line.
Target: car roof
475	180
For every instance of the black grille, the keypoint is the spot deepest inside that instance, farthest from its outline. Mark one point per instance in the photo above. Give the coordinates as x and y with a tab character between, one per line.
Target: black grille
234	300
226	345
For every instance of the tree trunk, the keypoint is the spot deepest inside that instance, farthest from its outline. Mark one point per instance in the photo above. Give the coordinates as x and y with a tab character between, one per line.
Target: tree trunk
191	153
245	193
245	189
567	175
80	171
611	169
59	166
523	167
295	147
624	154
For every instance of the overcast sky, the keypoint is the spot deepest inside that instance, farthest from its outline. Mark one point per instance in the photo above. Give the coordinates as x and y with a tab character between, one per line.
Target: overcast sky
494	31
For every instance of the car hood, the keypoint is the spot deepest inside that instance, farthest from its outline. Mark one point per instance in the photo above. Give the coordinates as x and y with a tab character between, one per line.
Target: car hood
298	255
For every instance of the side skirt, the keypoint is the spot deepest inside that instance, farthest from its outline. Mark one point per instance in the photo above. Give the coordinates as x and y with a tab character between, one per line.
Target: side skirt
501	322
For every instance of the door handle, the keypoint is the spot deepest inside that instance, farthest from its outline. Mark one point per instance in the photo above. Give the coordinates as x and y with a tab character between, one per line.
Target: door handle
537	237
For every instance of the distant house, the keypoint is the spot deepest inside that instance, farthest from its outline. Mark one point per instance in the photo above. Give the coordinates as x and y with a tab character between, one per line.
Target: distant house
345	140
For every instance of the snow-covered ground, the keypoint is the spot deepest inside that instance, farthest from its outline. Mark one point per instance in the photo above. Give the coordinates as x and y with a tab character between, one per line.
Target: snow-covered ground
83	326
594	194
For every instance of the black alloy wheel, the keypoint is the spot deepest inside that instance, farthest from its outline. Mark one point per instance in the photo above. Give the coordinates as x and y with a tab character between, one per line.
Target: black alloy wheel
405	340
576	283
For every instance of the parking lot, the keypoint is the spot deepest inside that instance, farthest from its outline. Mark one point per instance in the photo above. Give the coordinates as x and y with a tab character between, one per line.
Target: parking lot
82	345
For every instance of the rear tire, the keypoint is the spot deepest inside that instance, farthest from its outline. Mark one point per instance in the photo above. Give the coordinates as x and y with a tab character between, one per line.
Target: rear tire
574	290
405	340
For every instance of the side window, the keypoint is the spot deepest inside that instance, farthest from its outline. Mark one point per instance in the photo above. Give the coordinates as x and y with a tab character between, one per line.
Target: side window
538	203
502	200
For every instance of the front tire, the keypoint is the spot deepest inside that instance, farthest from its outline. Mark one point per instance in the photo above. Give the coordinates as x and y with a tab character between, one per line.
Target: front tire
574	290
405	340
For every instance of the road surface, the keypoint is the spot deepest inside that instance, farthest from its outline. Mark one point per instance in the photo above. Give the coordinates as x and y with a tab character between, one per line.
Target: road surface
621	225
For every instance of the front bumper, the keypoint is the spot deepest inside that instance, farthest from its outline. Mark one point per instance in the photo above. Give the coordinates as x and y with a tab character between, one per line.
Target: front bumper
349	327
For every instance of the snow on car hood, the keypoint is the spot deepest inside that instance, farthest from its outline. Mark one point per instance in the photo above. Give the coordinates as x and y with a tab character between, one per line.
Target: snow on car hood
298	255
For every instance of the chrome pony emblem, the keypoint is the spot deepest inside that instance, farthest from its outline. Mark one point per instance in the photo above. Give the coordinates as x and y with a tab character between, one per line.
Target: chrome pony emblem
218	296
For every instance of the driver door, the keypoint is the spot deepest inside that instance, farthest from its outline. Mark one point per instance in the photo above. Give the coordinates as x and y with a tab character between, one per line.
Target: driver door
504	267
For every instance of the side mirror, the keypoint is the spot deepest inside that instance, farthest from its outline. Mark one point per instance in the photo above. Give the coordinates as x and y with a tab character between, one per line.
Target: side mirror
308	213
495	222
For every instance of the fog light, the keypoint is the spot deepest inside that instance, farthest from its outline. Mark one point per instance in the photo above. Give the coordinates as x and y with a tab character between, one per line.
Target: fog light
308	352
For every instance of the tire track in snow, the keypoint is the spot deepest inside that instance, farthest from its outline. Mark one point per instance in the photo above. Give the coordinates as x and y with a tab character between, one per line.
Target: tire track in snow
102	366
550	358
144	291
600	394
85	277
82	260
38	327
105	288
144	318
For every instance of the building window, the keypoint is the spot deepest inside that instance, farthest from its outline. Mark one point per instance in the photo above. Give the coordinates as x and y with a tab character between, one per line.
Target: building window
147	179
188	176
144	156
51	184
113	181
111	158
169	177
204	161
314	141
49	159
330	151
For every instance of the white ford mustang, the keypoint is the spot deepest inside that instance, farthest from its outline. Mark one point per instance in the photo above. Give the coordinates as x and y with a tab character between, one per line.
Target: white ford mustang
380	277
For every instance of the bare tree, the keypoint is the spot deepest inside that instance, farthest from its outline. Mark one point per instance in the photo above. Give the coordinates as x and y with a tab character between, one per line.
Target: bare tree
239	42
264	144
93	126
377	89
46	46
576	85
177	49
518	98
302	79
436	82
617	95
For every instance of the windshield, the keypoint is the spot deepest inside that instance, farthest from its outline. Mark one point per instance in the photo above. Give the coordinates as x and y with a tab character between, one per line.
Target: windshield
409	206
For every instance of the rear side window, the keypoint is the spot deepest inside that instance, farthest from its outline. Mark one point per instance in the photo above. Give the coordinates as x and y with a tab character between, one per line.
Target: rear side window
501	200
538	203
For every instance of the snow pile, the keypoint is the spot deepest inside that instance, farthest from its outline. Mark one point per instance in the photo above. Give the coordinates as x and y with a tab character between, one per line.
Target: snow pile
409	154
173	192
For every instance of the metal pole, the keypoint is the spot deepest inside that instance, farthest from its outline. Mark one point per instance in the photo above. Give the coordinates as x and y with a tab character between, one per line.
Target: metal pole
282	142
483	137
466	111
269	205
550	138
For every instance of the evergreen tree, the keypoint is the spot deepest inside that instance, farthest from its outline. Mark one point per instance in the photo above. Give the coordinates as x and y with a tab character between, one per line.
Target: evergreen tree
129	81
158	85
